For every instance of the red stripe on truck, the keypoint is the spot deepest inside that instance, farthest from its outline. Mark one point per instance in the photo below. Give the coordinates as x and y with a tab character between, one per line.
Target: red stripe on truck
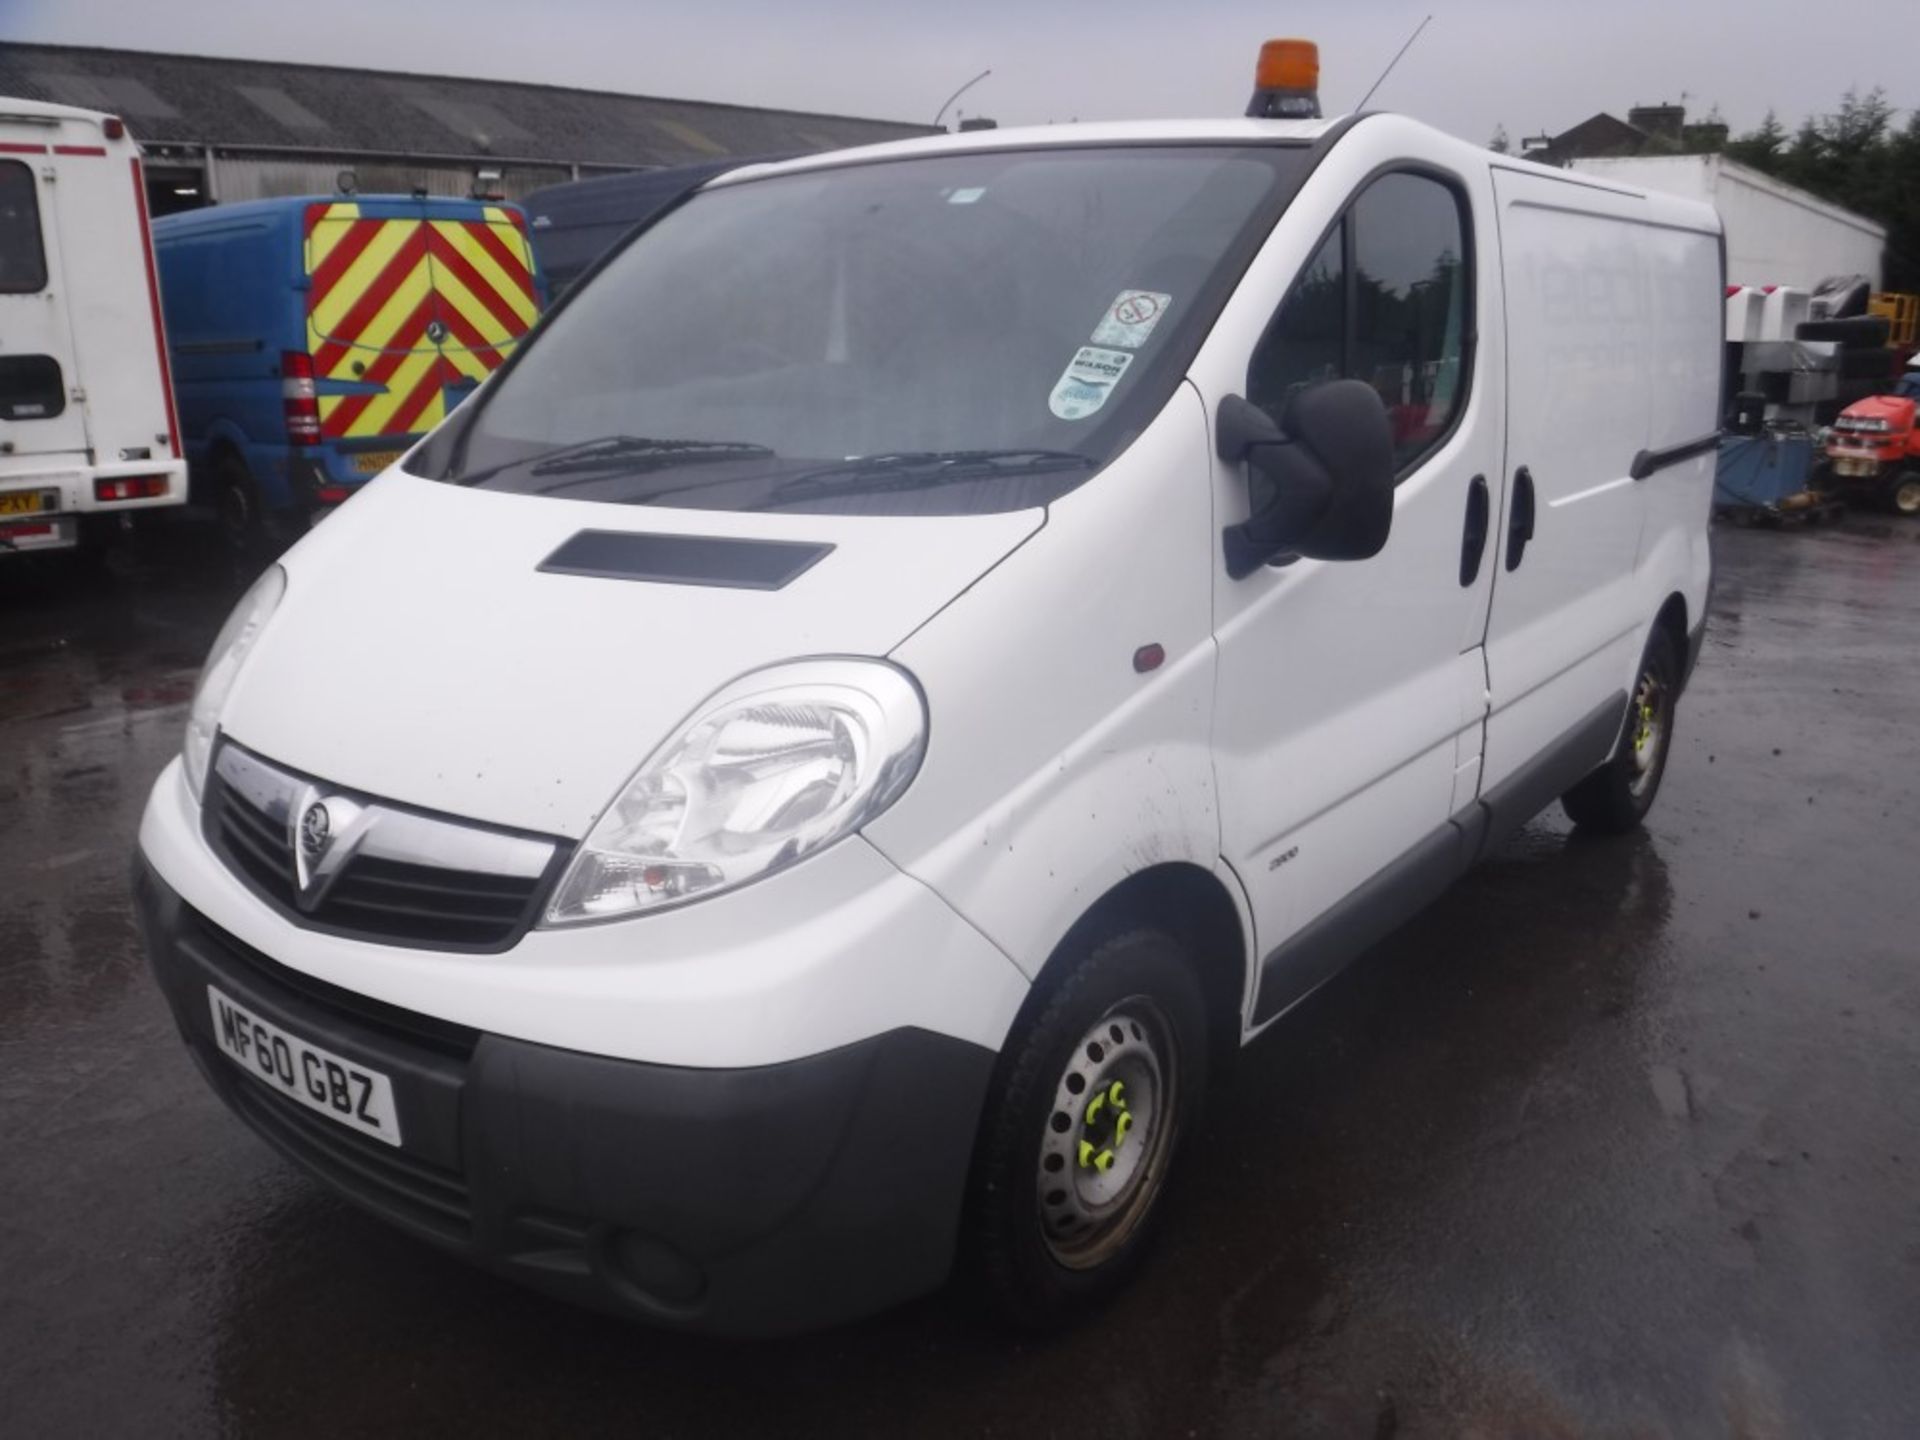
398	347
345	334
153	303
80	150
514	265
462	269
20	147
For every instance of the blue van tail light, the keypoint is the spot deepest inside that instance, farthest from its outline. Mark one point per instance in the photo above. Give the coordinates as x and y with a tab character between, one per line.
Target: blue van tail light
301	400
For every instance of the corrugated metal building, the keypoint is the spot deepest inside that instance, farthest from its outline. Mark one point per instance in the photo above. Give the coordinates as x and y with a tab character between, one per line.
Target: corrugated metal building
218	129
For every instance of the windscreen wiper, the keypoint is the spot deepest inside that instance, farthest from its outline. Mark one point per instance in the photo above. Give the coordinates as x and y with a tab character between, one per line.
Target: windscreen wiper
611	453
918	469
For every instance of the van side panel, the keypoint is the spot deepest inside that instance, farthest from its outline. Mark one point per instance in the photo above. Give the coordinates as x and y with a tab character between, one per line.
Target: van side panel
232	309
1568	619
1685	285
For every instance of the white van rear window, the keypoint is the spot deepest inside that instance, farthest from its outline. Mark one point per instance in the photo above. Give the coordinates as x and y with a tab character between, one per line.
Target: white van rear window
23	260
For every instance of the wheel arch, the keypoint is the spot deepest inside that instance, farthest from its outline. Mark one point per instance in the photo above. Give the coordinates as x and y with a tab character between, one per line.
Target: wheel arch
1673	618
1195	906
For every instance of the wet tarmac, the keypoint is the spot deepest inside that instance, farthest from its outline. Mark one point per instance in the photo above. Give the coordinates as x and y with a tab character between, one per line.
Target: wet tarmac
1621	1138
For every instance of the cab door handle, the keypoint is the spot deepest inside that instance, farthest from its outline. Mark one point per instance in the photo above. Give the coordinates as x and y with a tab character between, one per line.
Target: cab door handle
1520	523
1473	542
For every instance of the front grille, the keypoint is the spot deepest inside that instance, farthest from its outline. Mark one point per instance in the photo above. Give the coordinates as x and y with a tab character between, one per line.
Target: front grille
411	901
387	1179
420	902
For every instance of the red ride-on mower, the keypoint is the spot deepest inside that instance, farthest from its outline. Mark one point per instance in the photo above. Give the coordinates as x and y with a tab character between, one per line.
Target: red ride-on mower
1873	452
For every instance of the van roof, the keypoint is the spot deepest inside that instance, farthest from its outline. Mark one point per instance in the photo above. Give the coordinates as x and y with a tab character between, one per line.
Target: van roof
15	108
1666	209
278	205
1231	131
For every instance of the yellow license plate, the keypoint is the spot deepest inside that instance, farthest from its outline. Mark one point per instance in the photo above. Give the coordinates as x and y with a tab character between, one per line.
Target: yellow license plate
25	502
372	462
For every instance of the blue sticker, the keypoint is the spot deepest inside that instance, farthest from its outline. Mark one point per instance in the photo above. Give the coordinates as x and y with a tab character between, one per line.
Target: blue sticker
1087	382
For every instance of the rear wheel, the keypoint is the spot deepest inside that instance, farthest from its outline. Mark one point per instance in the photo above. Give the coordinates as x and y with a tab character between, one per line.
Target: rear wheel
1091	1096
237	499
1904	493
1616	797
99	534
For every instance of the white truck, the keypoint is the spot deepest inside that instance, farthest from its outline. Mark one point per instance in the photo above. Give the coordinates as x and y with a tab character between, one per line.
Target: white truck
87	426
792	788
1777	234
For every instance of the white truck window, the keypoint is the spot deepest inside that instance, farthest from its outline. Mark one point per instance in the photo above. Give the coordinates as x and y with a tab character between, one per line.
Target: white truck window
23	261
1382	301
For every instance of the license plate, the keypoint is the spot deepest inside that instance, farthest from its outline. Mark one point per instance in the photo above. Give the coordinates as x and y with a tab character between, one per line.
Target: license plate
24	502
357	1097
372	462
1854	465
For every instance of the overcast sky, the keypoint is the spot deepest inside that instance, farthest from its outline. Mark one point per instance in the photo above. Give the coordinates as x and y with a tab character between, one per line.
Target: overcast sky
1531	65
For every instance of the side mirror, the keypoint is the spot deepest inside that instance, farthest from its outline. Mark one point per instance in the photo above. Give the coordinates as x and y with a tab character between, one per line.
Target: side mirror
1320	484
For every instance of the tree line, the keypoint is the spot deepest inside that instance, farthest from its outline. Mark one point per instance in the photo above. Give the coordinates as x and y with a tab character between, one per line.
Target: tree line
1858	158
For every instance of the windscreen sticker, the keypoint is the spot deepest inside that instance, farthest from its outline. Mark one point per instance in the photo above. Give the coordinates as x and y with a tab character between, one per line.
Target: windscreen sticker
1131	318
1088	381
966	196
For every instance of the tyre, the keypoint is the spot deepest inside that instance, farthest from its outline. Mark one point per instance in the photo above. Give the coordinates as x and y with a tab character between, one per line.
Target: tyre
99	535
1616	798
1094	1089
1904	493
237	502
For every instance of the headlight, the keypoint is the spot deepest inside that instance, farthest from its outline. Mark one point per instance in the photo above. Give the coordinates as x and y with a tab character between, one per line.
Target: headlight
229	652
779	764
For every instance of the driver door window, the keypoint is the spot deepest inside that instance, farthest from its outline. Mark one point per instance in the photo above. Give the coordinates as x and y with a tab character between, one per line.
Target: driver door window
1383	301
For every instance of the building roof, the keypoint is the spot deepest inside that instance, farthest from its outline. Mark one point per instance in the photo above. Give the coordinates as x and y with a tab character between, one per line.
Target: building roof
1598	135
329	110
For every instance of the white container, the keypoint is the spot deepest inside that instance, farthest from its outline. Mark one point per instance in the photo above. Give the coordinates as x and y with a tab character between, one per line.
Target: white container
1783	312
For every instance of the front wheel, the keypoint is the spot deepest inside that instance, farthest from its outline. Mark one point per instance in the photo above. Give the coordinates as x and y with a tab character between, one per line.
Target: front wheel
1091	1096
1904	493
1616	798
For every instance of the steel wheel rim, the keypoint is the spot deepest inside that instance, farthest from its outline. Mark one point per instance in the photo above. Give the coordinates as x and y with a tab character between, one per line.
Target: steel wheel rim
1100	1171
1649	721
1906	498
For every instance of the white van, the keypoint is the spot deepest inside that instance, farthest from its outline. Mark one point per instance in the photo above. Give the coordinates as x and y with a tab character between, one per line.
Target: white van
790	790
87	429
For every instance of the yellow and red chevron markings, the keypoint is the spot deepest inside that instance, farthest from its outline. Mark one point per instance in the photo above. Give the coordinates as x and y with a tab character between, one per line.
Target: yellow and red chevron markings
415	304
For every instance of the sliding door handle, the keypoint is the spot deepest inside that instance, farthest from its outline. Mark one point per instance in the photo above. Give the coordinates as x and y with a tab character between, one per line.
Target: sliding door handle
1473	542
1520	522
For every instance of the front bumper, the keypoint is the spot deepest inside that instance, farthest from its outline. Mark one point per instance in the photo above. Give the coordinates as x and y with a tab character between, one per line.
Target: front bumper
755	1200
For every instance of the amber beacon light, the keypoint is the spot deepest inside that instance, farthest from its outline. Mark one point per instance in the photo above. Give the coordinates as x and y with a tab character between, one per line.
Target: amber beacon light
1286	83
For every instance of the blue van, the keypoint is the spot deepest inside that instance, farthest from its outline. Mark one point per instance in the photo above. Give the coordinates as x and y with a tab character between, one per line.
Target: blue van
315	338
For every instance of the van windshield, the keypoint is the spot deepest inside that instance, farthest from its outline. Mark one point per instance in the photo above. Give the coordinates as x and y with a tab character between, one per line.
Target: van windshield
954	334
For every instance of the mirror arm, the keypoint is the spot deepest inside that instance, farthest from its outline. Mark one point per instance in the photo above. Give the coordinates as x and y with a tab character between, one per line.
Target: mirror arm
1242	552
1239	425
